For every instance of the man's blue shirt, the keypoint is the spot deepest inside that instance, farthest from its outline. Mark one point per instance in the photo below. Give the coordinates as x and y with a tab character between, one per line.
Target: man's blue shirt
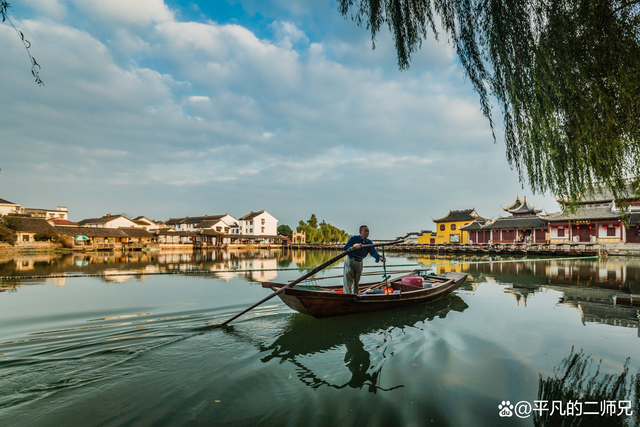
361	253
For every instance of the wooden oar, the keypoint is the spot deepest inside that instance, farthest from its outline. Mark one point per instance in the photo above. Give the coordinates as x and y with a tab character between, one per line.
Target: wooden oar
309	274
370	273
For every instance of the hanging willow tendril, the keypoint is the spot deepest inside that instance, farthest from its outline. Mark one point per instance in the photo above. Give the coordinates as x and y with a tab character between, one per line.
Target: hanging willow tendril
35	67
565	73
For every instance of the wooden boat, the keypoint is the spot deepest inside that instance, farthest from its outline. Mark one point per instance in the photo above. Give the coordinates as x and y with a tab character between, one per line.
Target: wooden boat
329	301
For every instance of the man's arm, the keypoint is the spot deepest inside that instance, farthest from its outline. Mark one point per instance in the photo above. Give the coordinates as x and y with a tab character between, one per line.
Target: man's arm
351	243
375	254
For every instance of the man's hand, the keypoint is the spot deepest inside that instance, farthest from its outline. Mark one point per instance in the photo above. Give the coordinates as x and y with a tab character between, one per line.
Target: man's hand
382	259
357	245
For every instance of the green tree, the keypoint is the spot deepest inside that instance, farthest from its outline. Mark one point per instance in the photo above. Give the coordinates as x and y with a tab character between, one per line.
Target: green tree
323	233
565	73
313	221
49	235
285	230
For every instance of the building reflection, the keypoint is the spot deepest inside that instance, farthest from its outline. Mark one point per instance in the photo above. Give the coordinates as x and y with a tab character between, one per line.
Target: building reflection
603	290
119	267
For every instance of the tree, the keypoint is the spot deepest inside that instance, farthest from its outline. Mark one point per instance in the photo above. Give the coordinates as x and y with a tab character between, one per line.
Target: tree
565	73
50	235
313	221
8	227
325	233
285	230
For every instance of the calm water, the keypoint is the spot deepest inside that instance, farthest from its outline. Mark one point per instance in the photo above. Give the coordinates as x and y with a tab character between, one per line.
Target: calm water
141	348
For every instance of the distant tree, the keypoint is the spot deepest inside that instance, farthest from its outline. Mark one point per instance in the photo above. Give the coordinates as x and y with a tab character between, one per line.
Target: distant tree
565	73
7	235
324	233
285	230
49	235
313	221
9	224
12	222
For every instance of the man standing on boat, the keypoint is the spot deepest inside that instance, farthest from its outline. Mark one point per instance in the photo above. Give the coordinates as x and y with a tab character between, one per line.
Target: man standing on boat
353	262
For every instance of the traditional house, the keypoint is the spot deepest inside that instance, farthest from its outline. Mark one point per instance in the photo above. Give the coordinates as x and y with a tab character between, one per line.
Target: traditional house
137	237
524	225
476	233
224	222
92	237
448	227
7	207
596	218
29	227
109	221
171	237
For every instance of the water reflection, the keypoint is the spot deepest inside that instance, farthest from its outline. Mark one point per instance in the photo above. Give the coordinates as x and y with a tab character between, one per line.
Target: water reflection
580	396
304	338
124	266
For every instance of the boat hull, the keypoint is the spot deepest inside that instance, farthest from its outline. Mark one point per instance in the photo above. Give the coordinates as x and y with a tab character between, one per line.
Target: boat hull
321	304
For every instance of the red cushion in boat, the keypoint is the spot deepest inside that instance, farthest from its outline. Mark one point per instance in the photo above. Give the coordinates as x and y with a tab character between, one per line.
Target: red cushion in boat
412	280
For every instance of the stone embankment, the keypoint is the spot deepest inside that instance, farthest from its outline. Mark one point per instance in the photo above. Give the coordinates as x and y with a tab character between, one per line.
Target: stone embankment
565	249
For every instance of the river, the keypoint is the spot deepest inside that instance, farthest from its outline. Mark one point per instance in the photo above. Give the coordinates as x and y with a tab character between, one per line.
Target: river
131	339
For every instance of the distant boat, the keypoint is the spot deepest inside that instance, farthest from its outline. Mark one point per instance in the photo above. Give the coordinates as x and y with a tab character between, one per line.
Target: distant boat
328	301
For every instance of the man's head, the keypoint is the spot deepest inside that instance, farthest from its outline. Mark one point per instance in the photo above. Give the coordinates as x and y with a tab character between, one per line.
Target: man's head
364	231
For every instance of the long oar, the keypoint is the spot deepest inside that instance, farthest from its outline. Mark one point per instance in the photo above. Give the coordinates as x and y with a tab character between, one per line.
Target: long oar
309	274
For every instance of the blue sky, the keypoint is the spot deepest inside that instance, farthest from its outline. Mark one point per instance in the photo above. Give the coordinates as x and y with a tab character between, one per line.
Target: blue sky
169	109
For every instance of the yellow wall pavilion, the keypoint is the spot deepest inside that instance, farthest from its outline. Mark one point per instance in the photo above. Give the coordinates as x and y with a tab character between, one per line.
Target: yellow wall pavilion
448	227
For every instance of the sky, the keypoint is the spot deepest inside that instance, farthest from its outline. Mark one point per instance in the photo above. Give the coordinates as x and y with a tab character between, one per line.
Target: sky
183	108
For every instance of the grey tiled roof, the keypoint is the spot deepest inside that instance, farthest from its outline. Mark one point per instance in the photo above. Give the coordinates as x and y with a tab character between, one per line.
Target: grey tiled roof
135	232
583	212
475	225
517	222
89	232
634	219
102	220
192	219
208	223
252	215
33	225
462	215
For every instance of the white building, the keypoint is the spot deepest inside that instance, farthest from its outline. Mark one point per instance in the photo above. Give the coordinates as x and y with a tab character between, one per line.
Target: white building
258	224
219	223
7	207
148	224
61	212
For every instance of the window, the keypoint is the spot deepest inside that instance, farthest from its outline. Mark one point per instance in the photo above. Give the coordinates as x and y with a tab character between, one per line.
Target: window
25	237
560	232
263	229
611	232
441	227
453	227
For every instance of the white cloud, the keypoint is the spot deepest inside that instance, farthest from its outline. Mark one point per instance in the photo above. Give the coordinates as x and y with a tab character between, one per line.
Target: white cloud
125	12
49	8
